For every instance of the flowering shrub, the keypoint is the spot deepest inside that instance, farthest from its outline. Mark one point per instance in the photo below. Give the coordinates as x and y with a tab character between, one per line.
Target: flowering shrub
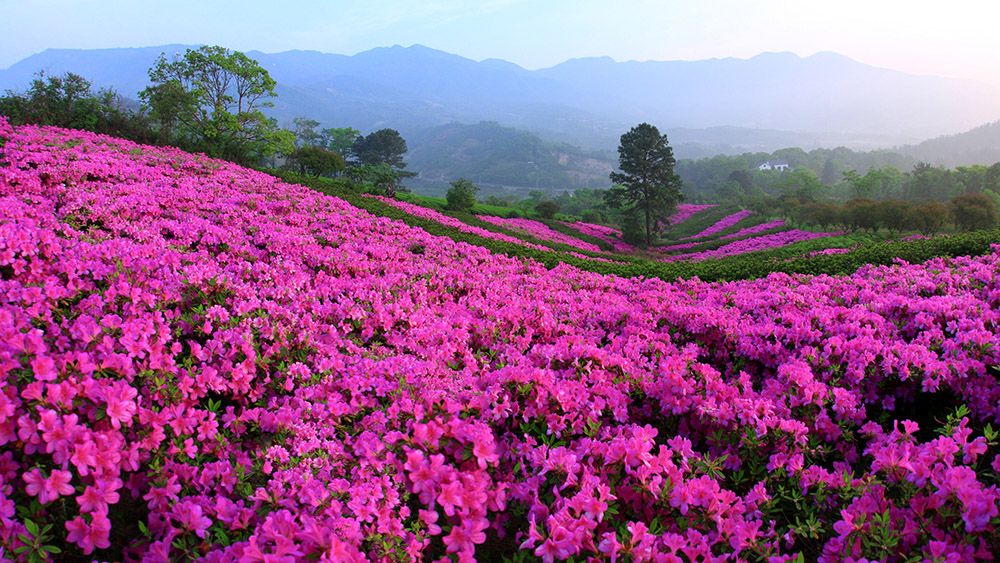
752	244
538	230
433	215
684	212
607	234
722	224
776	224
202	362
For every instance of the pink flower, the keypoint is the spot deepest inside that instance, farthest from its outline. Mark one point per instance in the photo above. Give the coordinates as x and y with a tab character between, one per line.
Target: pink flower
48	489
89	536
464	536
191	518
97	498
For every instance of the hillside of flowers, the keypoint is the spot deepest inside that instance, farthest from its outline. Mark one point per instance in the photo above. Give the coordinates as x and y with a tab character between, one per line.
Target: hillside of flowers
203	363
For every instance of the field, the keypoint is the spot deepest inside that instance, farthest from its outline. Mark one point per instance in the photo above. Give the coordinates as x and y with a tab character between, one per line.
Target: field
203	362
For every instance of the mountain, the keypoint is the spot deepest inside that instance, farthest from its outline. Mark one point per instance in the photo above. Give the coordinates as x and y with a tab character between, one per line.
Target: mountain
976	146
489	153
721	105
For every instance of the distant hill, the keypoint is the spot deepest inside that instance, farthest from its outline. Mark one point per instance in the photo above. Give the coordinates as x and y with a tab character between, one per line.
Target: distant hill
977	146
730	105
488	153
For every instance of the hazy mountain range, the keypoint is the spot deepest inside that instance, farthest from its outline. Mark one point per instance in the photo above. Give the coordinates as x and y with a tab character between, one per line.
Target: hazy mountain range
766	102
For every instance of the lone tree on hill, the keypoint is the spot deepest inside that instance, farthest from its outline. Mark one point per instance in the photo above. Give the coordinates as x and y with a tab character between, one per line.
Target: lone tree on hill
462	195
387	147
648	186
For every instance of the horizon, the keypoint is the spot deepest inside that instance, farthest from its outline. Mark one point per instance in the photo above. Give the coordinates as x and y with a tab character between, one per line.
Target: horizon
908	37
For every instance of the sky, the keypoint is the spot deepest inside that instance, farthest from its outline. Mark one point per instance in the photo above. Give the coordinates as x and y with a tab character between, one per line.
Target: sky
956	38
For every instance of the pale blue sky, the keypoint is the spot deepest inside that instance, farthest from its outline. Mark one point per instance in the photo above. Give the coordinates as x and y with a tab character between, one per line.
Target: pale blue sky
954	38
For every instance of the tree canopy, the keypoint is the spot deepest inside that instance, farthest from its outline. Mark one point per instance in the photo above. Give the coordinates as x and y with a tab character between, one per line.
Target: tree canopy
648	187
69	100
462	195
213	97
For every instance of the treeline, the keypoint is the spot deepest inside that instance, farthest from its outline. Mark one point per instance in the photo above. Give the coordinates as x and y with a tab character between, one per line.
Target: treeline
70	101
967	212
210	100
837	174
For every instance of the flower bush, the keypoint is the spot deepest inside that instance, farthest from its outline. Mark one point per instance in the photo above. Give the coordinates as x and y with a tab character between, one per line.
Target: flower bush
752	244
776	224
684	212
538	230
607	234
722	224
201	362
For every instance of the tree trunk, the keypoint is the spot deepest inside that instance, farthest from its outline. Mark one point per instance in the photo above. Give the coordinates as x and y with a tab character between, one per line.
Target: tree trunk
649	233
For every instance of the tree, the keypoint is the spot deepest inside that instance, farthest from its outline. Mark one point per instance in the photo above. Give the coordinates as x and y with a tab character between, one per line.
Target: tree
974	212
743	177
547	209
339	140
318	161
376	178
70	101
384	146
214	98
305	132
803	184
896	215
648	186
929	217
462	195
867	186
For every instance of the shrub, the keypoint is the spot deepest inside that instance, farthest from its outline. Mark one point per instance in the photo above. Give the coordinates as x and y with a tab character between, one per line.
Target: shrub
547	209
462	195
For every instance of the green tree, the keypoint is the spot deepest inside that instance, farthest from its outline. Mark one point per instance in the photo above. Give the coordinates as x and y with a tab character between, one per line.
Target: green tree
803	185
384	146
462	195
318	161
305	132
376	178
214	97
547	209
896	215
929	217
974	212
340	140
648	186
70	101
867	186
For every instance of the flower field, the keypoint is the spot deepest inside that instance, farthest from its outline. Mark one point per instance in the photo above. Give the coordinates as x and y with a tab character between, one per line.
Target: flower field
201	362
538	230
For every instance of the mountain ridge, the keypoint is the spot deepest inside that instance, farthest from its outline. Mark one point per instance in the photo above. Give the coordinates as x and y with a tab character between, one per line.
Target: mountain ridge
589	101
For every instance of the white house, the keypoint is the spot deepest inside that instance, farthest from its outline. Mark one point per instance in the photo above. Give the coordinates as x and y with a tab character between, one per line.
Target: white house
773	165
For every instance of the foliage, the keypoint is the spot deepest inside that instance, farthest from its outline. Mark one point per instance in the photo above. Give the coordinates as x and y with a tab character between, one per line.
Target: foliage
212	98
649	188
462	195
383	148
376	178
317	161
70	101
974	212
339	140
547	209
